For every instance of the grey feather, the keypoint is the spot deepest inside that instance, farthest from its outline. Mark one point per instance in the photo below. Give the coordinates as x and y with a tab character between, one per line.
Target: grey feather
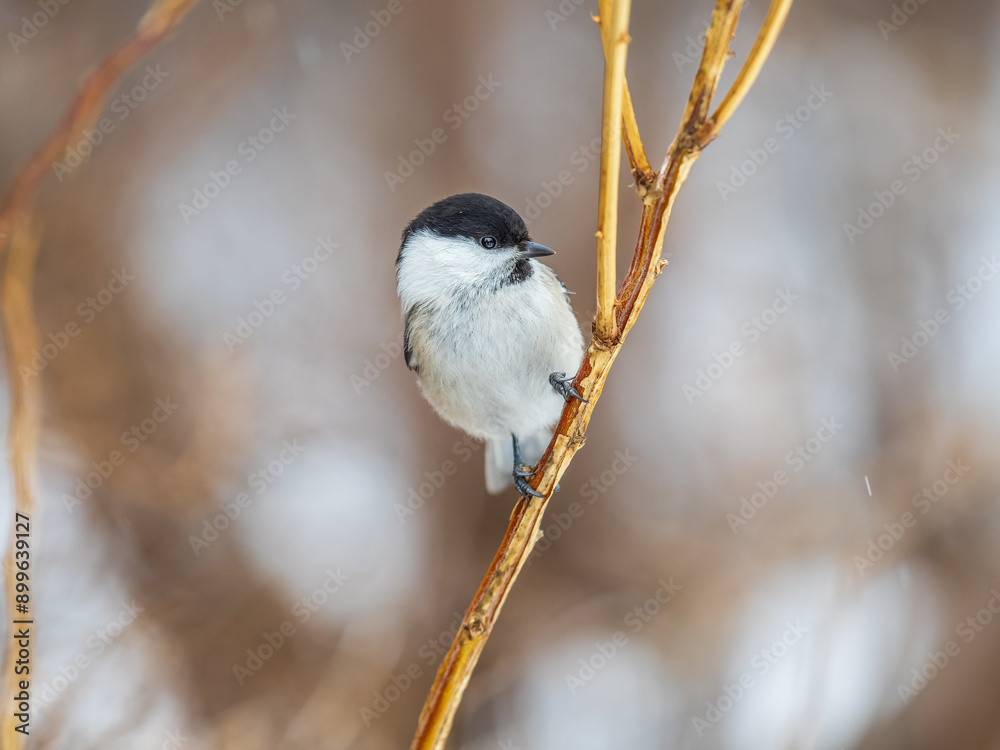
484	330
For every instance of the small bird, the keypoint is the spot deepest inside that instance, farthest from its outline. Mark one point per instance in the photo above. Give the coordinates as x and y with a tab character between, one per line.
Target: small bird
489	330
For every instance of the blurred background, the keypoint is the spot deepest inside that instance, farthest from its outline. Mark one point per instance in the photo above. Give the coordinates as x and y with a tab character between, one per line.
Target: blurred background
252	532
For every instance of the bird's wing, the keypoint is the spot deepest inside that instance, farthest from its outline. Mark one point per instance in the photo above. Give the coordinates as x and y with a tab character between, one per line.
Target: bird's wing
408	355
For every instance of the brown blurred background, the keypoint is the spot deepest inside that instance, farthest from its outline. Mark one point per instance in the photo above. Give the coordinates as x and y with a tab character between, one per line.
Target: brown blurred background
277	558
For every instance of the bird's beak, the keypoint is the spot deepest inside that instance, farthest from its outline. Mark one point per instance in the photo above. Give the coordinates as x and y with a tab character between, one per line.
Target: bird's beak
534	250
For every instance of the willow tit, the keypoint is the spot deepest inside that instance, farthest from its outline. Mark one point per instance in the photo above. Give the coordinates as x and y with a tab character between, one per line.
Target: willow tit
489	330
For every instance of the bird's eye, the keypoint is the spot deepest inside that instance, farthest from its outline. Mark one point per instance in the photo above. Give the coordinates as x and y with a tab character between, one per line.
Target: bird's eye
488	242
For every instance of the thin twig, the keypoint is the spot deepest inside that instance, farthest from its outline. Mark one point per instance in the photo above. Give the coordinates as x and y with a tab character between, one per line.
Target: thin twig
642	171
682	153
605	324
161	18
524	528
777	12
713	59
19	245
20	340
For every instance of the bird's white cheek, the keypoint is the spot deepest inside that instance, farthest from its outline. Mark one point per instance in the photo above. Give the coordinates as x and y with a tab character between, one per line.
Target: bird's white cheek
437	269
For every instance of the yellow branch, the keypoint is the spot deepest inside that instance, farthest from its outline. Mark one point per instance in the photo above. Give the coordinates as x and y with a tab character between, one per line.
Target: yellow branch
524	529
19	245
642	172
773	23
20	340
155	25
605	324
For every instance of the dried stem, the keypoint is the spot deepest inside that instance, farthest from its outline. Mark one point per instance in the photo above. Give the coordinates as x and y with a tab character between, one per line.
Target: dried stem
773	23
161	18
605	324
20	340
19	245
524	528
642	172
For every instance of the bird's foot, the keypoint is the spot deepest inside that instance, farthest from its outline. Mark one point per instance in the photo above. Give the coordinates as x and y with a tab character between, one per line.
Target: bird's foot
563	385
521	475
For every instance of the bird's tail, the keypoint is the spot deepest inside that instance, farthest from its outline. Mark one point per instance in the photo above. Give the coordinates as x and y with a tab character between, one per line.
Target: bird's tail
500	458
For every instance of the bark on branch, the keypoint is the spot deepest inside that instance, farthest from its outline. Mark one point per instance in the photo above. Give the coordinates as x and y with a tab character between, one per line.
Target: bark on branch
18	251
697	129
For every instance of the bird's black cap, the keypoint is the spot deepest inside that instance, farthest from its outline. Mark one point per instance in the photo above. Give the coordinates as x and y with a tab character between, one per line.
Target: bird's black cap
471	215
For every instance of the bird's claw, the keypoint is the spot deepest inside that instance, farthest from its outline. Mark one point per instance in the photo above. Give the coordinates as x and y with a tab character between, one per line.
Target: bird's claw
563	385
521	473
521	483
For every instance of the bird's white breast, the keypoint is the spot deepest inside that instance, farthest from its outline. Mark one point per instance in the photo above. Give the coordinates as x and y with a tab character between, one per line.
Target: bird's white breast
484	351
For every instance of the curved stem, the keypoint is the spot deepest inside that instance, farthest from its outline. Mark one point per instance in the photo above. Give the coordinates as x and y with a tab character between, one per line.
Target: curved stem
18	247
777	12
642	171
524	528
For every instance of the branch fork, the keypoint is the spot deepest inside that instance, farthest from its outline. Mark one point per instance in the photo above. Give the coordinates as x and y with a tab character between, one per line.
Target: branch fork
616	312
